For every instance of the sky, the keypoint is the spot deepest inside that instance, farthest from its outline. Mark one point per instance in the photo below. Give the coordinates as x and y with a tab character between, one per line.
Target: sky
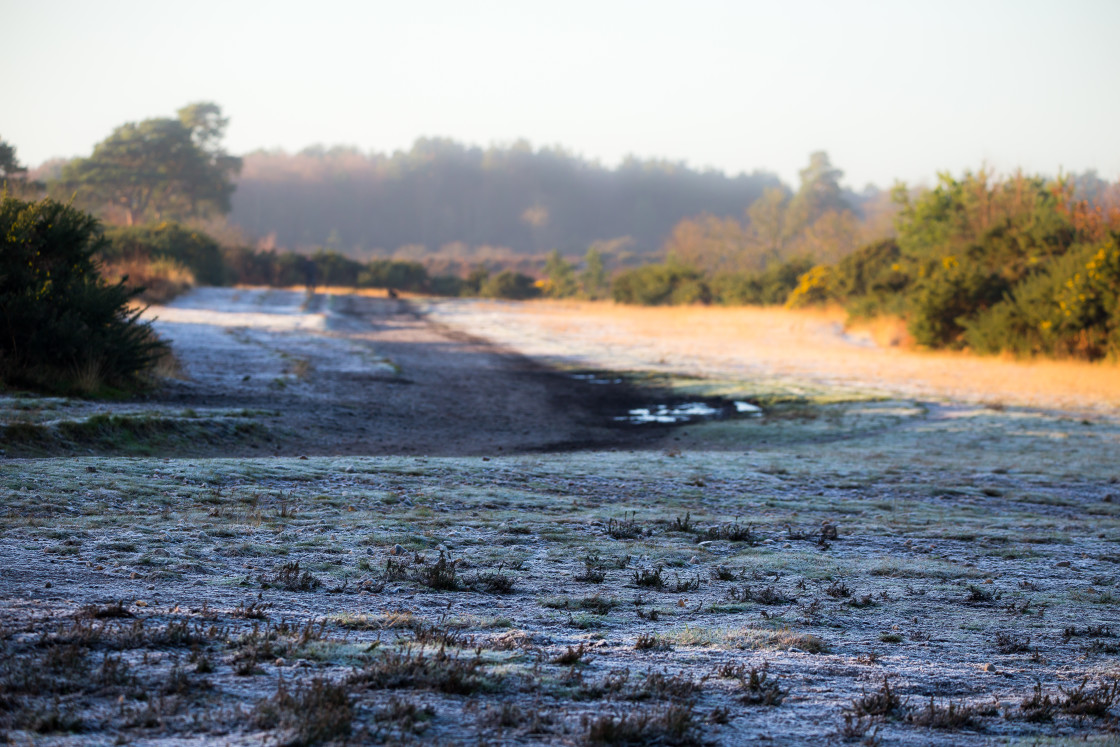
897	90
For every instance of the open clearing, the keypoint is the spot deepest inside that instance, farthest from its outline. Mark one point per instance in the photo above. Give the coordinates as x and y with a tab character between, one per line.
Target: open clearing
460	543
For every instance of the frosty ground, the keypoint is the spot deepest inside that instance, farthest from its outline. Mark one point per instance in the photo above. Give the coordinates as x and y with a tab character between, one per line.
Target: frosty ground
491	556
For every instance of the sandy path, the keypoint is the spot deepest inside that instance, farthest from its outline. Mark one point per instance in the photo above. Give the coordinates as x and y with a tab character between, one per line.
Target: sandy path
778	347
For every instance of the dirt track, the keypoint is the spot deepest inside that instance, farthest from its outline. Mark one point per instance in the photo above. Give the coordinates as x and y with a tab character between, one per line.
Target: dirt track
364	375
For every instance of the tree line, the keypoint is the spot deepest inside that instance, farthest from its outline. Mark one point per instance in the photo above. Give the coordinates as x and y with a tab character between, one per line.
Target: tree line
1025	264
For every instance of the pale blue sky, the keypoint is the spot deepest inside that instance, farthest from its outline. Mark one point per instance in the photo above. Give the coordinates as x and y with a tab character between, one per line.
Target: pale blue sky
890	89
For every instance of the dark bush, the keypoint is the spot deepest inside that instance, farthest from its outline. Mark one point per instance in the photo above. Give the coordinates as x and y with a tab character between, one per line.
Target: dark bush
62	327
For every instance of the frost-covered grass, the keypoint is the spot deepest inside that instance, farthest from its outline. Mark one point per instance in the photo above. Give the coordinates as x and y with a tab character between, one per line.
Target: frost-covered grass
886	539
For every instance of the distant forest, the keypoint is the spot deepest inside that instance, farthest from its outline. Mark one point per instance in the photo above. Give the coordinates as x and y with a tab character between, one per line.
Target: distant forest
443	193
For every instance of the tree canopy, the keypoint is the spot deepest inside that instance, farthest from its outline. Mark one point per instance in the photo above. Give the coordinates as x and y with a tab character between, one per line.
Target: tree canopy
166	168
9	166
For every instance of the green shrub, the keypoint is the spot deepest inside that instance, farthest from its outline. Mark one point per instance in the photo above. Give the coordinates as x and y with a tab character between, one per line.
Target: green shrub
334	268
62	327
1071	310
193	249
510	285
655	285
770	287
388	273
947	297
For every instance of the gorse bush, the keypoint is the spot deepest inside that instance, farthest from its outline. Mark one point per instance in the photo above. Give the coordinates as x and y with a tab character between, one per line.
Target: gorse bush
62	327
1071	310
1012	265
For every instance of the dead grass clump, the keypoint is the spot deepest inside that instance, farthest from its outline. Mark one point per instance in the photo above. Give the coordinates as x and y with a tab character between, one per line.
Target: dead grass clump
289	578
1092	631
1093	702
439	576
650	642
862	729
722	573
571	657
756	687
505	716
838	590
593	572
978	596
733	532
660	686
949	717
405	715
491	583
595	604
1010	643
768	595
435	635
409	669
1039	707
316	713
883	703
103	612
672	725
649	579
624	529
251	611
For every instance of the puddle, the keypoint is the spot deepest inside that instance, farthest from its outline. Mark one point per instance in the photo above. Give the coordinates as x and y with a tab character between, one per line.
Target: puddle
675	412
688	411
595	379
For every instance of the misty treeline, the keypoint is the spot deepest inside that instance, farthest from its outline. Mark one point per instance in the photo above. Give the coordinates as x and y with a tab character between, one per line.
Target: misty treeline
441	196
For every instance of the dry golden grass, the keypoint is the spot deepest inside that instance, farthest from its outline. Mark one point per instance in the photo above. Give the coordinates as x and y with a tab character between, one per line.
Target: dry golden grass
161	278
815	345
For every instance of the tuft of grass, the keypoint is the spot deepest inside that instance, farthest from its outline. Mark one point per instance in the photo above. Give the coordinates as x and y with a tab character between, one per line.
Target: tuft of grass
439	576
733	532
674	724
289	578
624	529
593	571
883	703
409	669
1039	707
572	656
312	714
649	579
492	583
1010	643
948	717
768	595
1095	702
756	687
650	642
